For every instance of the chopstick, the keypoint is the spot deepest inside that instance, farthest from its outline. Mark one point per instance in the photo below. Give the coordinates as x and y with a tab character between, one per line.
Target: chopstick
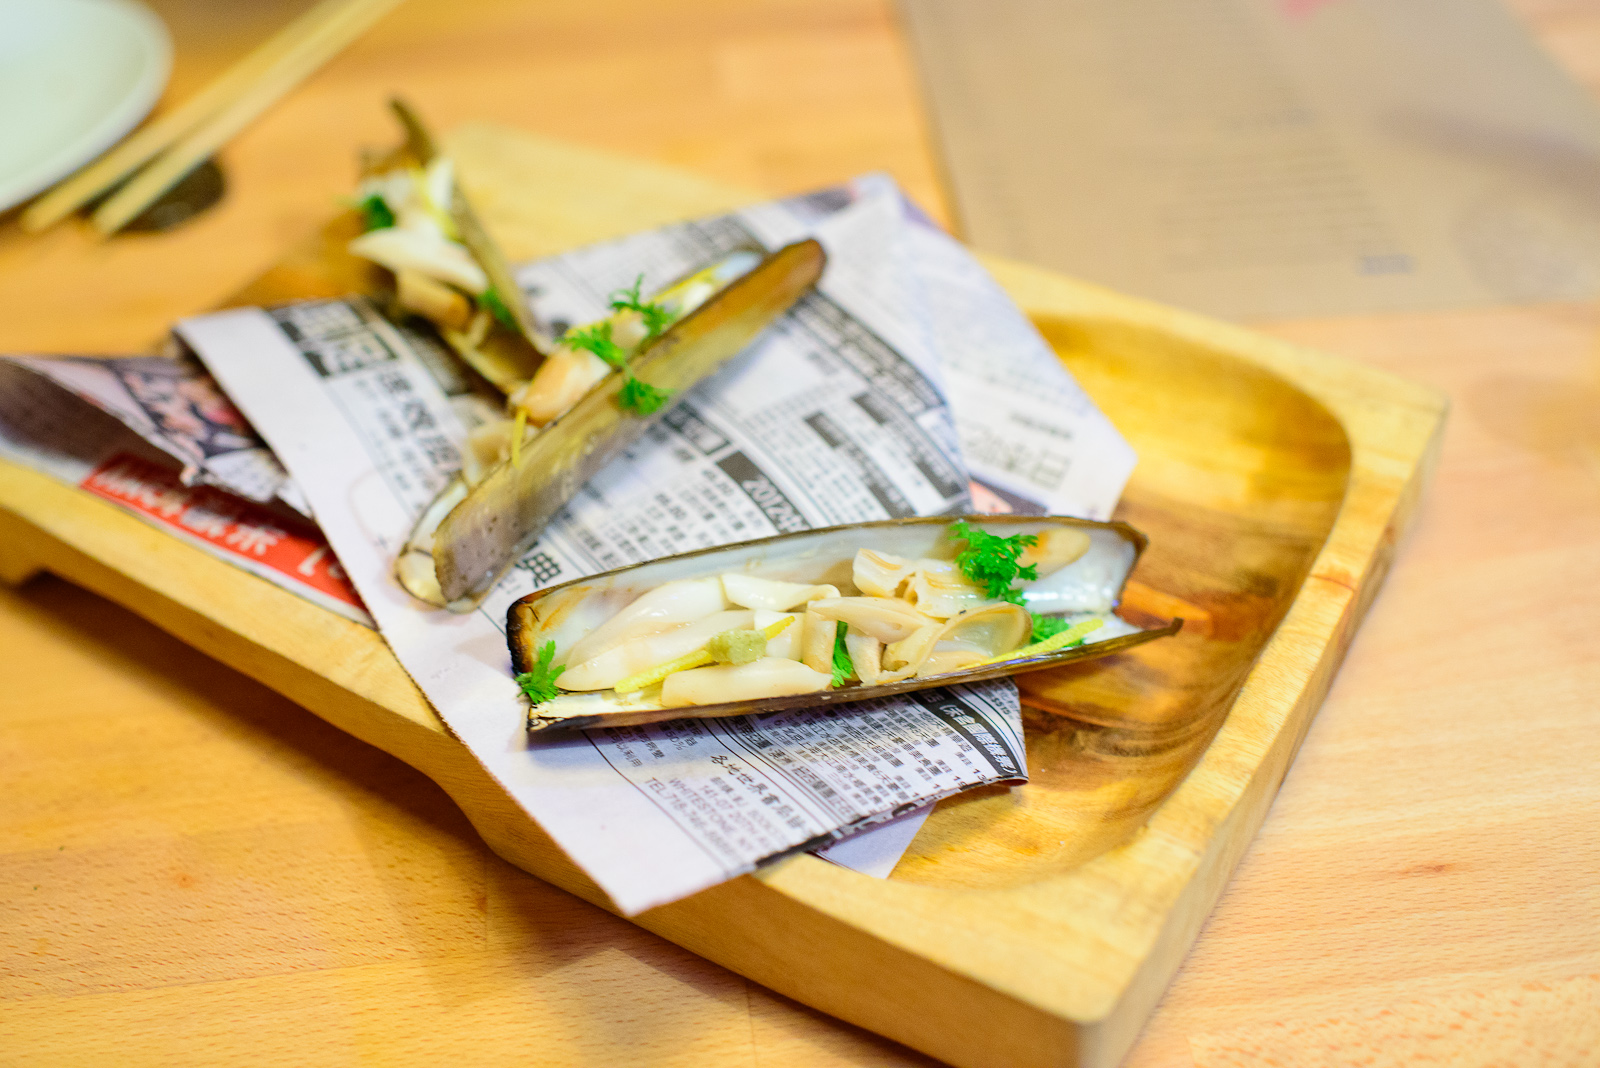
185	136
104	172
320	44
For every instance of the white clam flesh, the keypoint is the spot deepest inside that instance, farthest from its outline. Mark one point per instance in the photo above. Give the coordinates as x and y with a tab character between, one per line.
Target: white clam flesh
625	658
683	601
748	591
818	617
888	619
427	252
770	676
790	639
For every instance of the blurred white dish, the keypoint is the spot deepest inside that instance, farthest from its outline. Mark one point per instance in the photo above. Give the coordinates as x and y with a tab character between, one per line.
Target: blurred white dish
75	75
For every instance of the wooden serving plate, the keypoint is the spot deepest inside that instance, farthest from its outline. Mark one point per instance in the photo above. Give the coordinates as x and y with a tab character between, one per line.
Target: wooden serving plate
1030	926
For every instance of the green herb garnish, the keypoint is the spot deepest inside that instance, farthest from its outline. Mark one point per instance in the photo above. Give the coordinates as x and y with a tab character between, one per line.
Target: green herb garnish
842	664
490	299
656	317
375	213
641	398
991	561
596	338
1046	627
637	396
540	683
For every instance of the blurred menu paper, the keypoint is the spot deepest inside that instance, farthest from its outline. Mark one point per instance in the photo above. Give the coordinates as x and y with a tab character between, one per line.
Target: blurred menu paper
838	414
1268	158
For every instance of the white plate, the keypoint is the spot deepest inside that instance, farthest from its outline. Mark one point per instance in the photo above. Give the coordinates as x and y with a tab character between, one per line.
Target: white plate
75	75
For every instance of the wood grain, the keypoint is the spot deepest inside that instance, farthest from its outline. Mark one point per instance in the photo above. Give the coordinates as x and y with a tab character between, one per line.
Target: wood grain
1431	851
1061	907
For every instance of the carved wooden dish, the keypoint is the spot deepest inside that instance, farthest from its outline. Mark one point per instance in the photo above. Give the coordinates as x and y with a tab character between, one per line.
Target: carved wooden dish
1031	926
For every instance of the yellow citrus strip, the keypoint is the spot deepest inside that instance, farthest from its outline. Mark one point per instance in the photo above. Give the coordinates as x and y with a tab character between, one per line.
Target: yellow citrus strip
517	430
698	658
1049	645
706	274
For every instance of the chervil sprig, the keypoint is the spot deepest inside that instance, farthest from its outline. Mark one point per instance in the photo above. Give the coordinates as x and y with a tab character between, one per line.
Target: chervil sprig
375	213
640	397
596	338
656	317
842	664
539	683
990	561
497	308
1047	626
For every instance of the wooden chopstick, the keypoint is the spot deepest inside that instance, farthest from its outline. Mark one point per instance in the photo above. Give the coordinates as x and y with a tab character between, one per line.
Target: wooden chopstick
319	45
132	153
207	119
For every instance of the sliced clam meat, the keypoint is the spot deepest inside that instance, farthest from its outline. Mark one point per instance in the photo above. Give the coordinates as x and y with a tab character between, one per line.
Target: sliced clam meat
755	627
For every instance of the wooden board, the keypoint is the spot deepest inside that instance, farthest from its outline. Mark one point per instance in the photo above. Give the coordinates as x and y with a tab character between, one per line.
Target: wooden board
1035	926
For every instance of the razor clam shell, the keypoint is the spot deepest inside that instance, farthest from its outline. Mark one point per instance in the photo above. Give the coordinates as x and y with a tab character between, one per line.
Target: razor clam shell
414	568
1090	586
506	358
505	513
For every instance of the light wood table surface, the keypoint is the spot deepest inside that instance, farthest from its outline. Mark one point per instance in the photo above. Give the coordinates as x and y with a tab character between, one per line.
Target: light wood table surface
195	871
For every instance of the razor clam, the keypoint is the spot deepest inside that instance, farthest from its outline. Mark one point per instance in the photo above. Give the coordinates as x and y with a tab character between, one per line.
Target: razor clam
506	355
458	552
585	620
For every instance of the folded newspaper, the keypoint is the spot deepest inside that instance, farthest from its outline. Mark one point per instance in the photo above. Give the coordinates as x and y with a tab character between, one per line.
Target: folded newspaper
907	384
155	435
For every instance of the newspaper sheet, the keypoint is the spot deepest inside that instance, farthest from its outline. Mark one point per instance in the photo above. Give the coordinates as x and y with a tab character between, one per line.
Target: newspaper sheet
837	415
114	454
156	436
173	404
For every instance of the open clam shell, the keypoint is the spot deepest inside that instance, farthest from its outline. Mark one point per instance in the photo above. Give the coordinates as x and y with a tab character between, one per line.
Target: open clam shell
1088	588
503	515
505	354
487	254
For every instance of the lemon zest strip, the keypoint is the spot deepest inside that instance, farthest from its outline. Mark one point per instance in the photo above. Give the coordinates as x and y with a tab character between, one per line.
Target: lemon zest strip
1070	636
699	658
